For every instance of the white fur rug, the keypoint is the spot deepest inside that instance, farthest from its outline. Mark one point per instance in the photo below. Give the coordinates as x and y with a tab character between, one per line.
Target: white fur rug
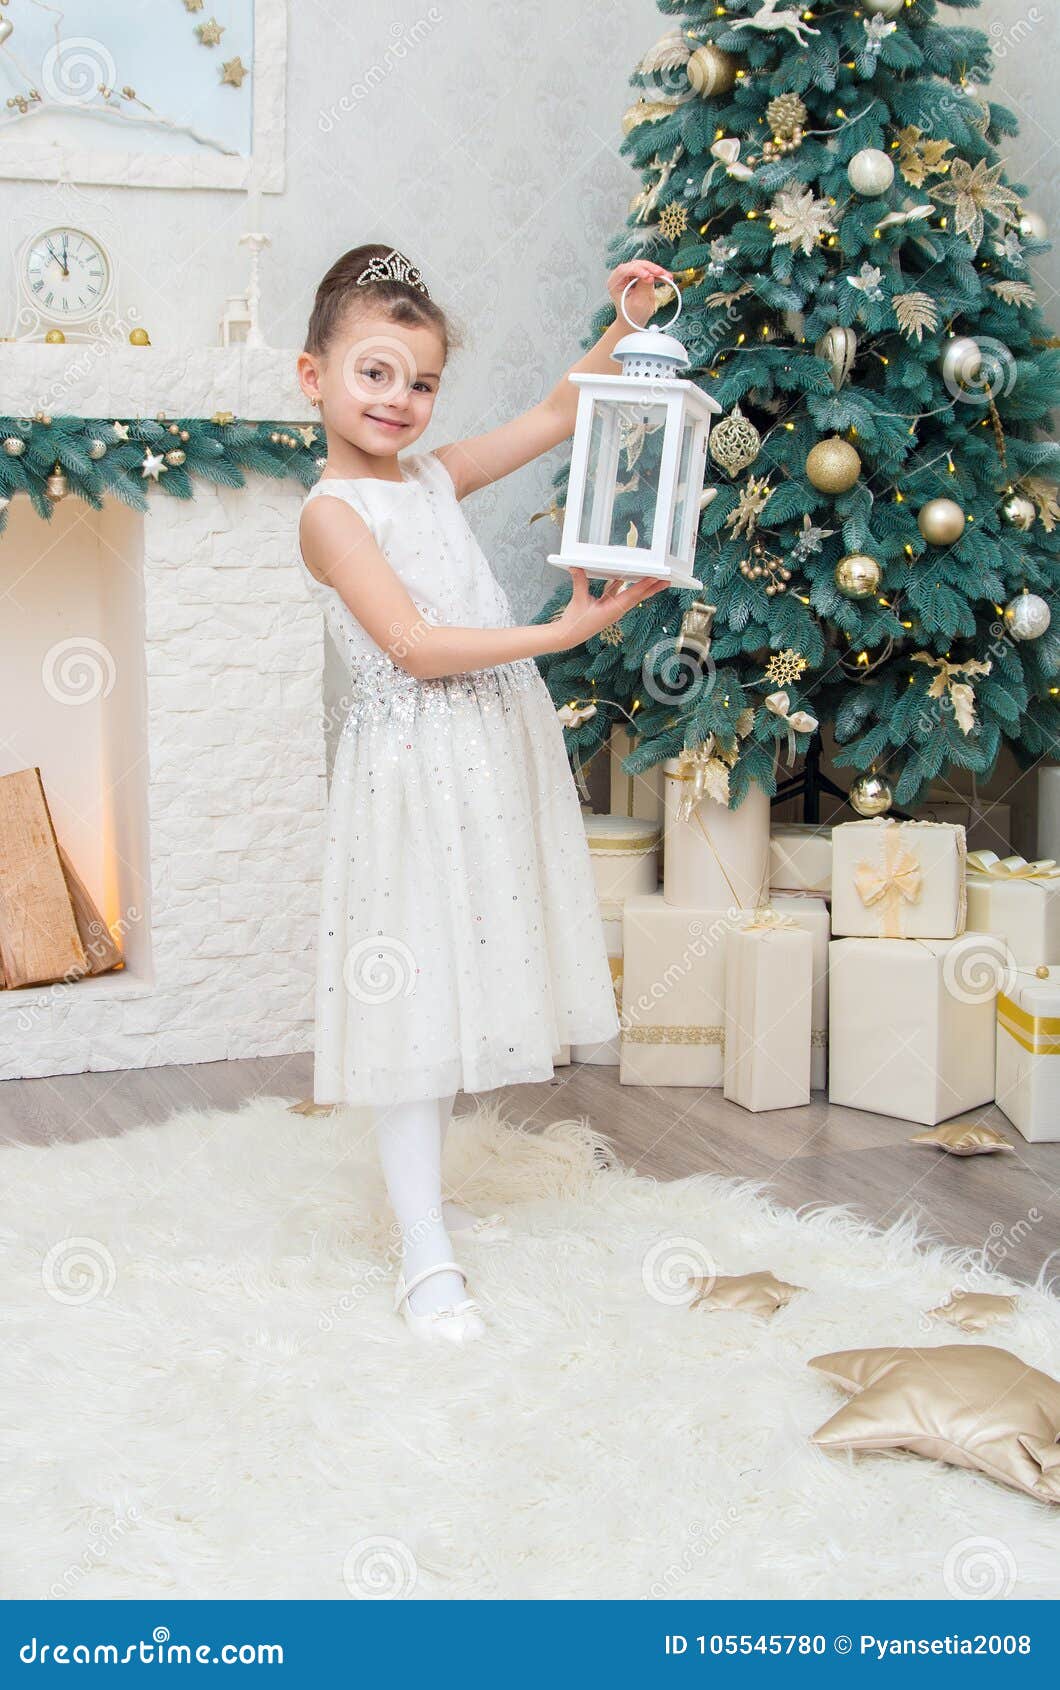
214	1400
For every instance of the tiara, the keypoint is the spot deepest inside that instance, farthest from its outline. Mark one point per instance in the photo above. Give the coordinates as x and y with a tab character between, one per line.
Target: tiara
395	267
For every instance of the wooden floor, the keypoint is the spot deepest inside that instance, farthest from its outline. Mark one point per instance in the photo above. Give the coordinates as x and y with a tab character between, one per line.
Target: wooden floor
1007	1206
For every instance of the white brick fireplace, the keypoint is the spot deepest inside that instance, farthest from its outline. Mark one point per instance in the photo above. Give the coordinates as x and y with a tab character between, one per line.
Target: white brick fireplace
182	750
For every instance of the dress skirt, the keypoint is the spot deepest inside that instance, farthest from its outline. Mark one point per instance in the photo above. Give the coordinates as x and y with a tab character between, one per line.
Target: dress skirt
460	942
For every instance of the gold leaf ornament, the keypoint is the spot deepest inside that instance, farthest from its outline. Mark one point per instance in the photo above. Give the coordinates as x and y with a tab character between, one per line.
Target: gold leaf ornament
961	692
916	312
753	499
919	157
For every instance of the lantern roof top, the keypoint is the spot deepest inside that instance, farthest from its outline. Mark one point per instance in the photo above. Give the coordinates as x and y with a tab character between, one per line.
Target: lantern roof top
653	350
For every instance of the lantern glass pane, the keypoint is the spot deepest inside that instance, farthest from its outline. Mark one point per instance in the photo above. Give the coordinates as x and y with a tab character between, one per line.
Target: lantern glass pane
684	491
624	440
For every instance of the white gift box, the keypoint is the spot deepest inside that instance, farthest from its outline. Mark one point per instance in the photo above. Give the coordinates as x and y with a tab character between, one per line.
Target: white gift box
673	994
634	795
1028	1054
898	880
768	998
800	858
1006	896
812	914
625	856
912	1025
719	858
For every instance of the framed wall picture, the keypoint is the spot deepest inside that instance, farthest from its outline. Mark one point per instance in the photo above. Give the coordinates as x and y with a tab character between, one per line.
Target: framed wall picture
141	94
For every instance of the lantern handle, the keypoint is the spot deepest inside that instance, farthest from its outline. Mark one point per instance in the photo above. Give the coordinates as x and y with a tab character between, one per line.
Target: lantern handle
655	326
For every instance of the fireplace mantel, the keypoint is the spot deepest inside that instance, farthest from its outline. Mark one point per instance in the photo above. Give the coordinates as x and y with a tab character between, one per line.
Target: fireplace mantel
101	379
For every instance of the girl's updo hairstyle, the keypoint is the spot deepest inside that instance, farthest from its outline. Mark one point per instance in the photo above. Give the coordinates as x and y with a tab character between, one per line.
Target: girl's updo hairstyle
342	291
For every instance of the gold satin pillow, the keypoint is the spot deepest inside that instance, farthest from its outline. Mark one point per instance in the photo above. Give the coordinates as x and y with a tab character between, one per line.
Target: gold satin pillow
968	1404
964	1138
974	1311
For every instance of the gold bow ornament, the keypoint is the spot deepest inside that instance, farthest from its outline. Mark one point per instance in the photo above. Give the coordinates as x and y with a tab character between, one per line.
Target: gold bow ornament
961	693
989	864
890	884
705	768
801	722
767	920
727	152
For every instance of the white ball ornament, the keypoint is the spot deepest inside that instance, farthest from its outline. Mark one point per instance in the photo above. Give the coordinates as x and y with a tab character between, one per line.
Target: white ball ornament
1033	227
1027	617
870	172
962	363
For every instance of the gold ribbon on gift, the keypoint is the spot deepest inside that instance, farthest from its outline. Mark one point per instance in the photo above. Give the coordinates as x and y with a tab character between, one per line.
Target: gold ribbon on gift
891	884
988	863
961	693
1040	1034
800	723
673	1035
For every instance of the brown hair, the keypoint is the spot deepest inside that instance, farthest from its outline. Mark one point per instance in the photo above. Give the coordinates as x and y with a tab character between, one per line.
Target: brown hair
340	290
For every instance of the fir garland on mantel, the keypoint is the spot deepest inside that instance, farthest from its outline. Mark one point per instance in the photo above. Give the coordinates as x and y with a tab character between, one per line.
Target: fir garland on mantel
50	458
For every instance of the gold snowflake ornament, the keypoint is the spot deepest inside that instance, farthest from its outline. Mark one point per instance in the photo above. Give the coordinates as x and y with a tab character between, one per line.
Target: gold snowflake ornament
673	220
786	667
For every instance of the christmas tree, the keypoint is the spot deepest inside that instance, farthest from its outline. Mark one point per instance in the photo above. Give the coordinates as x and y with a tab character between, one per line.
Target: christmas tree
829	188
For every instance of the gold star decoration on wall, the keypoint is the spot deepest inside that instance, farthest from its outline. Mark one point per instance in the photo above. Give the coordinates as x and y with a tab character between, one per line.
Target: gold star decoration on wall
210	33
233	71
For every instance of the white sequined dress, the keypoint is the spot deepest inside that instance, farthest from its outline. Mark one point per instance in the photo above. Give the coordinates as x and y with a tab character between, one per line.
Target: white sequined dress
459	942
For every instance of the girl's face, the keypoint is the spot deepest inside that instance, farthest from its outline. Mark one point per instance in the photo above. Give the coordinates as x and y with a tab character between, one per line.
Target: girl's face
378	381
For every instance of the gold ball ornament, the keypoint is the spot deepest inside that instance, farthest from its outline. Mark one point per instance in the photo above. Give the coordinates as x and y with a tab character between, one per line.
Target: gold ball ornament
1019	512
942	522
833	466
1041	972
56	485
97	449
1033	227
735	443
838	347
13	446
858	576
870	796
55	337
710	71
139	337
175	457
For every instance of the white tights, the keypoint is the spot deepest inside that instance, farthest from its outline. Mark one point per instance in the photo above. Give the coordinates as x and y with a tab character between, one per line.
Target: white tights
410	1138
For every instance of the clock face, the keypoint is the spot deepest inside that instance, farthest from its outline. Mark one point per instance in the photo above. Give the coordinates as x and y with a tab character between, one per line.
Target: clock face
66	274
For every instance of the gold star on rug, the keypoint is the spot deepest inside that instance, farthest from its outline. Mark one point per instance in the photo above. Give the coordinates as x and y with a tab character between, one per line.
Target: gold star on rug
307	434
210	33
233	71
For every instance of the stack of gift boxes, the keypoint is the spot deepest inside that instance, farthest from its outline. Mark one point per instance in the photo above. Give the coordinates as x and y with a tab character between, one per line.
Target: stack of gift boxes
874	959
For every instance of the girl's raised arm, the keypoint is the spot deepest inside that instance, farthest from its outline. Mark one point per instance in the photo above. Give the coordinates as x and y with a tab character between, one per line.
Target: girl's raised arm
475	462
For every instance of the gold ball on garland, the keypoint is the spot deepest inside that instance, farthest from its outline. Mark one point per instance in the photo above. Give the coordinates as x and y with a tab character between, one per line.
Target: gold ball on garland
55	337
858	576
97	449
710	71
870	796
56	485
13	446
175	457
1019	512
833	466
1042	972
185	436
942	522
139	337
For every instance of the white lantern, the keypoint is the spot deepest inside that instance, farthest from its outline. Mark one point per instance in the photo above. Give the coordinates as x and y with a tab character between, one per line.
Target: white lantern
649	427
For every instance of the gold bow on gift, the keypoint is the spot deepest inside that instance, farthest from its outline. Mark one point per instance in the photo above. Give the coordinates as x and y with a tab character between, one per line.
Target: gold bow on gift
800	723
962	693
1011	868
892	883
770	920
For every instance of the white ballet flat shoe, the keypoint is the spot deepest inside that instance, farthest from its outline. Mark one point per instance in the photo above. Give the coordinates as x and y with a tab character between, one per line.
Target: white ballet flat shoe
460	1324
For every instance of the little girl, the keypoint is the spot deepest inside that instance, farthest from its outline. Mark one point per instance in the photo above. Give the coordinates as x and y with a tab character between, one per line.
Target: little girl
459	942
